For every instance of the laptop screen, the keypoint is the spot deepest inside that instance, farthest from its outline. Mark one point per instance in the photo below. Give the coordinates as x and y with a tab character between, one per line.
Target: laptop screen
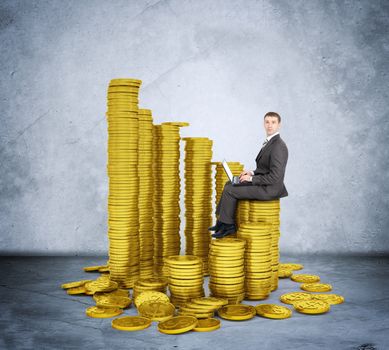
227	170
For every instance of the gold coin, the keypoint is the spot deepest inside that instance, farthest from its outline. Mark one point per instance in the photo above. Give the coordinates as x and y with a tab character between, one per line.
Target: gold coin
331	299
183	260
99	312
313	306
113	301
117	292
291	266
229	242
131	323
284	273
290	298
76	290
150	296
305	278
178	324
273	311
316	287
207	325
92	268
196	314
157	310
74	284
237	312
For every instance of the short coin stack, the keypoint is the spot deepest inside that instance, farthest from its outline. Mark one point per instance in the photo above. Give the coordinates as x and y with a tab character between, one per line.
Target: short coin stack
185	278
198	196
202	307
122	167
150	284
269	212
145	199
166	199
258	268
226	269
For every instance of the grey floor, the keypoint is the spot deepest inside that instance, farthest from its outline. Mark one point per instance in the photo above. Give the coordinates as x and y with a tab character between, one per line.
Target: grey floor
37	314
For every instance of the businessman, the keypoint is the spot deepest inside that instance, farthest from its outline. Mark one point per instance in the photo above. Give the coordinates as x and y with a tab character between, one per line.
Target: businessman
264	183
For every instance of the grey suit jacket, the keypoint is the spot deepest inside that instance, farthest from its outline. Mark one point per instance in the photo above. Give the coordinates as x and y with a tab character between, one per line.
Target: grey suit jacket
271	163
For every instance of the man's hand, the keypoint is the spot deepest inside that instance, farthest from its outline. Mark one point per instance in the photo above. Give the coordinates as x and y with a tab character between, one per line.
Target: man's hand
244	173
246	177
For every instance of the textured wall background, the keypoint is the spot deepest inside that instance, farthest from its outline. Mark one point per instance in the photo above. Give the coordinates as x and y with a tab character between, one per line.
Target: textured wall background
220	65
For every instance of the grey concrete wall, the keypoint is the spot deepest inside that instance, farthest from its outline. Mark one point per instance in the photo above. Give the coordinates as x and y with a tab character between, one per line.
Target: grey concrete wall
220	65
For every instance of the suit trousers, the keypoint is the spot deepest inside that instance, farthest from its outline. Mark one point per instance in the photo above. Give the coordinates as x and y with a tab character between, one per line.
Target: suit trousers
226	207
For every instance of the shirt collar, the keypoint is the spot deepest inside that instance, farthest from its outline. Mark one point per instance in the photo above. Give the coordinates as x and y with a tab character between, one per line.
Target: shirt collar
271	136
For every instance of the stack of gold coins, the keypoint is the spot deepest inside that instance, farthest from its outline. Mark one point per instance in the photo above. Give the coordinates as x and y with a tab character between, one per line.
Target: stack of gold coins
202	307
221	176
166	194
185	278
226	269
123	220
258	268
145	199
147	284
269	212
198	196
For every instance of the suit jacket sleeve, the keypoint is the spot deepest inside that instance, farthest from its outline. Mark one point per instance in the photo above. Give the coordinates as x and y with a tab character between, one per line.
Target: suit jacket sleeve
278	160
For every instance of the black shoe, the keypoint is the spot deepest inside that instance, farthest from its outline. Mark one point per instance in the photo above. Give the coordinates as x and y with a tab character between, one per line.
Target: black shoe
217	227
227	230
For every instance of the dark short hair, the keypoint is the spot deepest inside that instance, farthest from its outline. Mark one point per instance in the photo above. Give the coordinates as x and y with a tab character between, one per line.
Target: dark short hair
273	114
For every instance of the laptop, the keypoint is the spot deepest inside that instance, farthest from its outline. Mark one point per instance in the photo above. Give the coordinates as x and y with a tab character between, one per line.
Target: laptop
234	179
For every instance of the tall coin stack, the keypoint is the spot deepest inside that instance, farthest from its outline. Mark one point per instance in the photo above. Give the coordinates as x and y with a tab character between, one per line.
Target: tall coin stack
185	278
145	199
166	193
258	268
122	167
226	269
269	212
198	196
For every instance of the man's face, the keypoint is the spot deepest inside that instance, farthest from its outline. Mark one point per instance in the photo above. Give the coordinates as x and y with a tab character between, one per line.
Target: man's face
271	125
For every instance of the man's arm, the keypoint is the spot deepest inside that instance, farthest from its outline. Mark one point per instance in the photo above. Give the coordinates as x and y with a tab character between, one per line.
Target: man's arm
278	160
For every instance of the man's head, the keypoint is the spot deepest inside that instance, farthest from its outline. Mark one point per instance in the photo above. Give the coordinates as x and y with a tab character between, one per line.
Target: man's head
272	123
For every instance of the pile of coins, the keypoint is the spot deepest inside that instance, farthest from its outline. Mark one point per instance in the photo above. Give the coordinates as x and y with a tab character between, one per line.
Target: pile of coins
185	278
150	284
145	198
122	167
198	196
311	304
258	268
166	194
226	269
